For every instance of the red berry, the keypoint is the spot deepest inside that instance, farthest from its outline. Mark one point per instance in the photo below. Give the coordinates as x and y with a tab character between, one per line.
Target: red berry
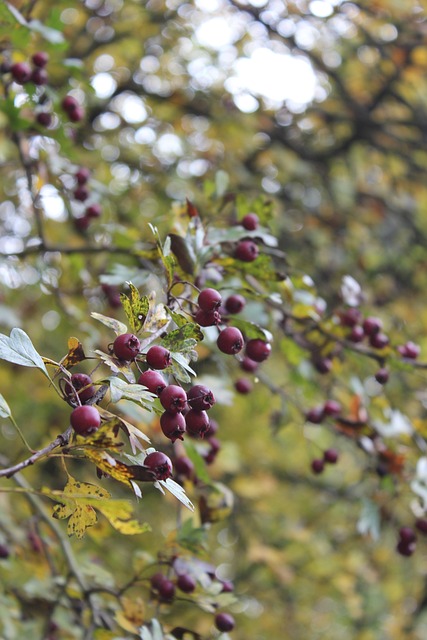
249	365
317	465
230	340
93	210
213	428
224	622
39	77
382	375
80	385
207	318
126	346
421	525
160	464
243	385
173	425
350	317
246	251
158	357
357	334
331	456
315	415
82	175
209	299
371	325
77	114
197	423
186	583
69	104
227	586
4	552
332	408
200	397
40	59
82	223
173	398
85	420
379	340
81	193
235	303
407	535
44	118
405	549
166	590
258	350
250	221
211	454
21	72
184	467
323	365
156	580
409	350
153	380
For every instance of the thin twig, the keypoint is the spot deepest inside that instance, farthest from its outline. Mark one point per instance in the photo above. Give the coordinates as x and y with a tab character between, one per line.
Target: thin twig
60	441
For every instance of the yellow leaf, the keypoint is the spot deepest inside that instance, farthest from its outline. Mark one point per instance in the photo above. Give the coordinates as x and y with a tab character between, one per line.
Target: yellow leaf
84	516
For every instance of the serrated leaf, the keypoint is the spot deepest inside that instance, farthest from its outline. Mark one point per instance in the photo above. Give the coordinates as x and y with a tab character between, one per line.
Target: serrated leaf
106	437
134	434
19	349
5	411
251	330
84	516
75	353
178	318
176	490
119	514
118	327
135	392
135	308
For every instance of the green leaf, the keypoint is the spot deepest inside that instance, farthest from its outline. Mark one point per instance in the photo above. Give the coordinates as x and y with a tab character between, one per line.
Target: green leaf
251	330
135	392
135	308
184	338
183	253
199	463
5	411
51	35
369	521
190	537
19	349
118	327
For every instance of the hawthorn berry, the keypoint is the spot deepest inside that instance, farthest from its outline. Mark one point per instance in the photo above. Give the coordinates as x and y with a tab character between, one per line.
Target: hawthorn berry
250	222
357	334
350	317
382	375
186	583
332	408
173	398
371	325
207	318
214	447
82	223
407	535
184	467
317	465
39	77
249	365
409	350
80	385
330	456
315	414
258	350
69	104
421	525
44	118
126	346
213	428
224	622
158	357
200	397
85	420
77	114
227	586
40	59
235	303
197	423
82	175
209	299
379	340
166	590
173	425
93	210
156	580
246	251
4	552
405	549
153	380
230	340
160	464
21	72
81	193
243	386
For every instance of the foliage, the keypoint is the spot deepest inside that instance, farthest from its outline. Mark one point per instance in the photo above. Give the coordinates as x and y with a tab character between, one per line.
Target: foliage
177	153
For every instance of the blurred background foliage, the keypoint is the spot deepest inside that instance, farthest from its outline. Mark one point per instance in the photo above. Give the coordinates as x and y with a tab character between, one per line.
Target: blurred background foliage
336	140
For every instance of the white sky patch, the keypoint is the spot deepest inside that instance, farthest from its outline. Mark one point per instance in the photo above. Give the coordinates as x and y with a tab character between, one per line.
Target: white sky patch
216	33
321	9
274	76
104	85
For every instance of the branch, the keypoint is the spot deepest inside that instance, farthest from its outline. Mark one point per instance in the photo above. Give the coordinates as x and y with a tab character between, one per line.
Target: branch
60	441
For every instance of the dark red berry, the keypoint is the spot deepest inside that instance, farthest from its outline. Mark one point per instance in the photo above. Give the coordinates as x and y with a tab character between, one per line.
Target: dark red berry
246	251
230	340
4	552
93	210
77	114
173	398
166	590
184	467
382	375
379	340
85	420
173	425
421	525
407	535
209	299
160	464
409	350
332	408
21	72
243	386
126	346
207	318
197	423
80	385
40	59
249	365
250	222
200	397
212	452
39	77
331	456
82	175
153	380
82	223
315	414
227	586
350	317
405	549
371	325
323	365
258	350
235	303
357	334
317	465
186	583
158	357
156	580
81	193
69	104
44	118
224	622
213	428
